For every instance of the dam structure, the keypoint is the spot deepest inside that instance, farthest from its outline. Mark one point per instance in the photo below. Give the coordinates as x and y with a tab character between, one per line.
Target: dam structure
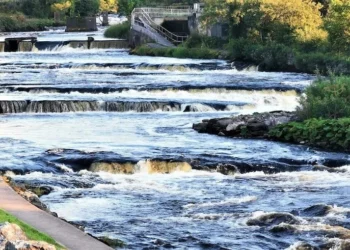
167	26
31	44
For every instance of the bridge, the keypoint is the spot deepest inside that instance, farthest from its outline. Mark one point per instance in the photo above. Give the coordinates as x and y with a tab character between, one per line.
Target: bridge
148	21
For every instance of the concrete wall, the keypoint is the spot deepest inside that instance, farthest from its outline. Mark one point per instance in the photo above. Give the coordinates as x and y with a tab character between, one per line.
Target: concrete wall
77	24
137	39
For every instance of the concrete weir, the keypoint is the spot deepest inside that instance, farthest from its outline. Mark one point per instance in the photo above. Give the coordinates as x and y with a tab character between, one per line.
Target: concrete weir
29	44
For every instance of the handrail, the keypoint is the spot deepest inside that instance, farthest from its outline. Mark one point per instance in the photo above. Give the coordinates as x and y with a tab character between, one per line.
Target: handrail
144	13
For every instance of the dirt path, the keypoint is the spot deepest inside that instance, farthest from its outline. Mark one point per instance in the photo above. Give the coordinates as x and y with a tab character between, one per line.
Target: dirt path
64	233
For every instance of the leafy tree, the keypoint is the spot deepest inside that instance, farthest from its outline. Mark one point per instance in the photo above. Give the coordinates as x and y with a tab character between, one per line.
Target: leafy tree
268	20
301	17
338	24
86	7
108	5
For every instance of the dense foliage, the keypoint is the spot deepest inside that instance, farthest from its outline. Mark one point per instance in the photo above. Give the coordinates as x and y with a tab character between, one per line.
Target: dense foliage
329	99
118	31
325	109
11	23
333	134
296	35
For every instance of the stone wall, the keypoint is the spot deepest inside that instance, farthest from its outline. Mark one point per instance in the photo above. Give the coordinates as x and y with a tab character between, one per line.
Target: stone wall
79	24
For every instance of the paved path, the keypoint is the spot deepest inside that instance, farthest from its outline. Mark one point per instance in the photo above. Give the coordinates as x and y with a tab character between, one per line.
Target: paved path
64	233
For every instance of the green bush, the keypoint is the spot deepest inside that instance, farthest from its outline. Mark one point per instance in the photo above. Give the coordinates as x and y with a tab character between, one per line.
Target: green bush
329	99
332	134
118	31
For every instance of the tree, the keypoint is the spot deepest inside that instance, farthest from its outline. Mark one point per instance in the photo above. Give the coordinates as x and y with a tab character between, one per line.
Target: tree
108	6
338	24
301	17
268	20
85	8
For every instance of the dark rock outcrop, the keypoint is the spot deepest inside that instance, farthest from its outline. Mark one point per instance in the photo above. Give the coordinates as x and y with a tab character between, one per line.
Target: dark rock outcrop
254	126
270	219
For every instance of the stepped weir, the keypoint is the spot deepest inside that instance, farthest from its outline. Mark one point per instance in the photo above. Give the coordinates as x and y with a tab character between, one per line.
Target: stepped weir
29	44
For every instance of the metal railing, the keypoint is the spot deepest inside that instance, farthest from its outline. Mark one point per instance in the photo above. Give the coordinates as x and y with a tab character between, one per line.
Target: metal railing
145	20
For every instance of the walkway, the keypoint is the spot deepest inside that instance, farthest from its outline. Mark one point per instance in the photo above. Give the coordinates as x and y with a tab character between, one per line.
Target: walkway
64	233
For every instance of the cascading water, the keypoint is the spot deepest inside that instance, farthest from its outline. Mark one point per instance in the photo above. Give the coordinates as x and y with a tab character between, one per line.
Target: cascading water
146	177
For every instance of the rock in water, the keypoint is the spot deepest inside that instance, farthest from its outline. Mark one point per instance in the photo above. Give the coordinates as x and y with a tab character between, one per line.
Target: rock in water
227	169
256	125
317	210
270	219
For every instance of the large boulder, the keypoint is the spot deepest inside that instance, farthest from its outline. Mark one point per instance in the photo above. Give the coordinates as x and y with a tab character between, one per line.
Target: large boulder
12	232
28	245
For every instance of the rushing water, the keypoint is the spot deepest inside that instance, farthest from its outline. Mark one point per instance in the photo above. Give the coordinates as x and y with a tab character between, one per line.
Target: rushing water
65	109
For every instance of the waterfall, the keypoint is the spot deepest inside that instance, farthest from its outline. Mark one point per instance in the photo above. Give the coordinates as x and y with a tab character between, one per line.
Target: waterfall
58	106
109	44
25	46
2	47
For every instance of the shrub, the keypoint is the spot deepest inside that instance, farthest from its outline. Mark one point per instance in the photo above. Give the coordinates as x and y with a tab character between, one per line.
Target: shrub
328	99
118	31
327	134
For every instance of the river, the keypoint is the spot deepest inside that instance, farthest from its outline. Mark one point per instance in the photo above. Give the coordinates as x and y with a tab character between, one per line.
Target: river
64	109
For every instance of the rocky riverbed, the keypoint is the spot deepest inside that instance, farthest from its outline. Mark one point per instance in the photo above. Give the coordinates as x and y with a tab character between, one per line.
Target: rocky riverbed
106	139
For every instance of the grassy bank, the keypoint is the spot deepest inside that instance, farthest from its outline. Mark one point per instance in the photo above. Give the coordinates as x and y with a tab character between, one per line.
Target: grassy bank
16	23
31	233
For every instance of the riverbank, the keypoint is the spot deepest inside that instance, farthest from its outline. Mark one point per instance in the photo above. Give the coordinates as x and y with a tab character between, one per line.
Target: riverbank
64	233
268	58
325	134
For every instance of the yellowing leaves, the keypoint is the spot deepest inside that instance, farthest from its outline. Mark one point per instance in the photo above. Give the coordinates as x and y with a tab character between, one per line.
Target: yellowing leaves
108	5
61	6
302	16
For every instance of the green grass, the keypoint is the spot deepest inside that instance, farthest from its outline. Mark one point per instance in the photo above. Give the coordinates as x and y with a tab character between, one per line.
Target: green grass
31	233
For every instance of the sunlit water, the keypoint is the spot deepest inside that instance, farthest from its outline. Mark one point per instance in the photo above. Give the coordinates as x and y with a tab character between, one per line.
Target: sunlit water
195	210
